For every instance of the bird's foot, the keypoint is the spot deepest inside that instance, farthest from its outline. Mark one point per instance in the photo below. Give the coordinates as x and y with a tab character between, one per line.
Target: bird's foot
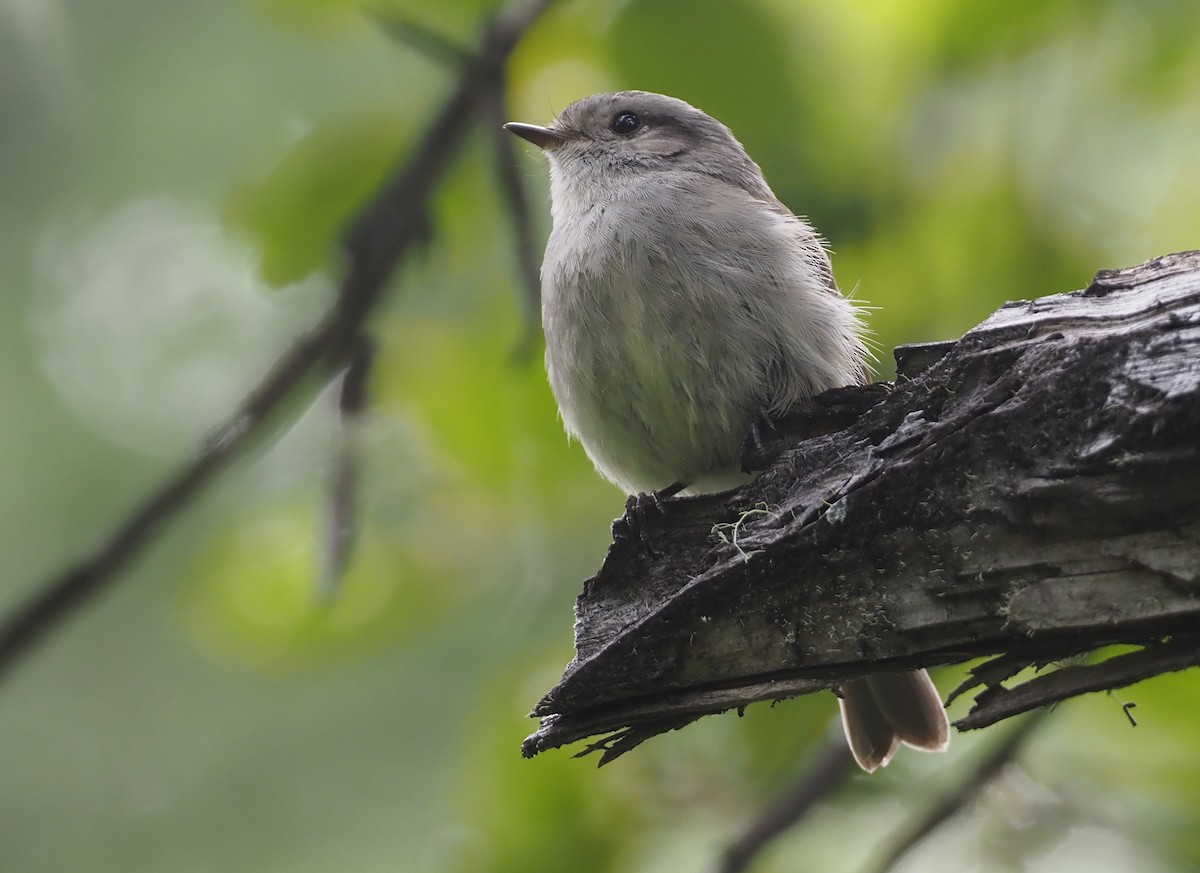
754	445
632	525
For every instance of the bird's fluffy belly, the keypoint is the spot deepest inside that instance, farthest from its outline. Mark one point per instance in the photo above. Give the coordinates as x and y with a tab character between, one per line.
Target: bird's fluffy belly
652	392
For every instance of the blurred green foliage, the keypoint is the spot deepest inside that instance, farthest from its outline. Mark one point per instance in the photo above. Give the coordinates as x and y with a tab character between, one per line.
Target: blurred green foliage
213	713
329	173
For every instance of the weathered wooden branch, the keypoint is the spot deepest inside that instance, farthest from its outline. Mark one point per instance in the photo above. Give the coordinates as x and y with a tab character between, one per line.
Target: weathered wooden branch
1030	492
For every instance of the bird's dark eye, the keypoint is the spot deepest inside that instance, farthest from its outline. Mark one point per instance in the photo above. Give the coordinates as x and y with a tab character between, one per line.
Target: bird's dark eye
625	123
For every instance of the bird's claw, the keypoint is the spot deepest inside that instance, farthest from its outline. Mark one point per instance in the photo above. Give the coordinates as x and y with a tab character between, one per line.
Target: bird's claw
632	525
754	445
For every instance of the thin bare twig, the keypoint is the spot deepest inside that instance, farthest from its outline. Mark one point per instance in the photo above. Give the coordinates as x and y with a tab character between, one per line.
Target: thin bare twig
512	186
341	516
423	38
828	767
383	234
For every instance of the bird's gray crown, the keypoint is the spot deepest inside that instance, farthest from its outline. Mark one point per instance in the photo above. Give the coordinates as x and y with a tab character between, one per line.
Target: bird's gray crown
639	129
596	117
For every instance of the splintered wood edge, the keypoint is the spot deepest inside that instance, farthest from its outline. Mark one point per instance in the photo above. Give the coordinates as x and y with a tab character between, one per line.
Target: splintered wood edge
662	713
998	703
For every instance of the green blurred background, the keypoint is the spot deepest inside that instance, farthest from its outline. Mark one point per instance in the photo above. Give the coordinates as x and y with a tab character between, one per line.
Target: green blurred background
172	179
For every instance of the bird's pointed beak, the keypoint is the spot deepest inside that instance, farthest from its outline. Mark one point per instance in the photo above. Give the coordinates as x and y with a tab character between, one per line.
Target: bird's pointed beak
542	137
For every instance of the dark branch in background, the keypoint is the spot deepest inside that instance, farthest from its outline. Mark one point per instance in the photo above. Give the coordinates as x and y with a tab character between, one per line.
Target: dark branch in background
424	39
512	186
829	765
386	231
493	106
953	803
341	512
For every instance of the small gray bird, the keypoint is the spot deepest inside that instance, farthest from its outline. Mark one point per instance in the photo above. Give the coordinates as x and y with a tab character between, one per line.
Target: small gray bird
681	300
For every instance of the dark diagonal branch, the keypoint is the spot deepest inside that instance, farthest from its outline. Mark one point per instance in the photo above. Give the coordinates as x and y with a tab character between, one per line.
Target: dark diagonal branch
977	778
828	767
385	232
513	189
419	36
